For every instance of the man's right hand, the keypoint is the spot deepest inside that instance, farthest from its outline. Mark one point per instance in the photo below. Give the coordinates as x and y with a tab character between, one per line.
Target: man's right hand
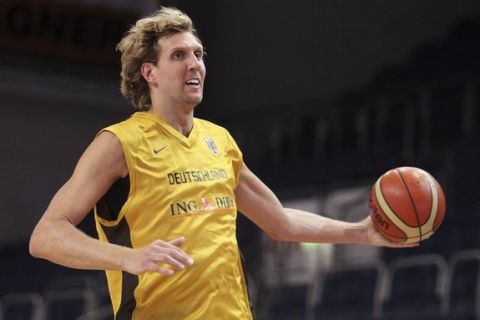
159	256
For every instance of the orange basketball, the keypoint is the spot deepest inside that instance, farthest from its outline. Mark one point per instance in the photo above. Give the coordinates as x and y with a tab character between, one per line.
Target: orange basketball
407	205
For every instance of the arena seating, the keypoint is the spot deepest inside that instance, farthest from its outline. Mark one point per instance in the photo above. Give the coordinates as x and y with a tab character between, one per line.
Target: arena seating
462	300
414	288
26	305
425	286
350	292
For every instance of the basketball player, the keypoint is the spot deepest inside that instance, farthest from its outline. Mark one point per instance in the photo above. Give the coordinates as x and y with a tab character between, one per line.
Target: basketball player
166	188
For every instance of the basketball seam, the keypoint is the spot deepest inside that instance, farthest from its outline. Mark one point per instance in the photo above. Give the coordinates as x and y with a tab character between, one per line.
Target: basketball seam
405	235
411	202
434	203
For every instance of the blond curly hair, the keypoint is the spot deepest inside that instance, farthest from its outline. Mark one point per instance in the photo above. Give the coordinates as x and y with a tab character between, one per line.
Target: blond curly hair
140	45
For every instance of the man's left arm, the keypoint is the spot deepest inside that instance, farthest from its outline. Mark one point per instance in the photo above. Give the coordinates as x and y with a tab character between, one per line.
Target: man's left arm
257	202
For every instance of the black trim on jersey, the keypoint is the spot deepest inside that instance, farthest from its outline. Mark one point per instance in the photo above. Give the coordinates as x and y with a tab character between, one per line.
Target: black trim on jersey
109	206
120	234
246	275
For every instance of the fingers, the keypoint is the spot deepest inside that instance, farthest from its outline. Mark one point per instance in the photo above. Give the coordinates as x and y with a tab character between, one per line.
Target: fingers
165	257
178	242
173	250
403	245
154	267
171	258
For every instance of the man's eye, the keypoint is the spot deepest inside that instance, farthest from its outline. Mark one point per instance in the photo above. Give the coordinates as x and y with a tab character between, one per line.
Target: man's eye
178	55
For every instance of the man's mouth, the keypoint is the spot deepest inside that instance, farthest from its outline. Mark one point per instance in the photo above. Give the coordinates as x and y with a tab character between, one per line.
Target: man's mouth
192	82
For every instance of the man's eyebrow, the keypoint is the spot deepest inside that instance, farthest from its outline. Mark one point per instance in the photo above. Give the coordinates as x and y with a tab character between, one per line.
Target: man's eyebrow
179	48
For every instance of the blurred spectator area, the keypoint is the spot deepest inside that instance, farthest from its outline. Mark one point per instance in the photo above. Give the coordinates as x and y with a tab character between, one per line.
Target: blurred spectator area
322	154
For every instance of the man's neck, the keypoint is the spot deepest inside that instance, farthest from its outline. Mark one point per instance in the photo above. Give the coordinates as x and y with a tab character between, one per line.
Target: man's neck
180	120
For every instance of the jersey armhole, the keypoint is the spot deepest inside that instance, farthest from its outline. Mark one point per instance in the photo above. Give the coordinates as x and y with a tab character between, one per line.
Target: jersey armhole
110	205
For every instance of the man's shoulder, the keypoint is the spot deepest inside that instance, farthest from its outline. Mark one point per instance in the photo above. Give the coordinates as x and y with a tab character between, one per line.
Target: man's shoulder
126	130
208	125
131	122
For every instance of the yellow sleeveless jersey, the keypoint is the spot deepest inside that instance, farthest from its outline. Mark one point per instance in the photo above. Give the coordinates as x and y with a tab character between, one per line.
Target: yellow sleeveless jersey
178	186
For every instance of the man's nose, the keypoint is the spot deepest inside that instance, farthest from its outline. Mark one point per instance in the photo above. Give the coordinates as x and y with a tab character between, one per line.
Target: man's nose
194	62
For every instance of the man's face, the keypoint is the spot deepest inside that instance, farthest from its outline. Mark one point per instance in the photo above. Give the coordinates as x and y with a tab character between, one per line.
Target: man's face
180	70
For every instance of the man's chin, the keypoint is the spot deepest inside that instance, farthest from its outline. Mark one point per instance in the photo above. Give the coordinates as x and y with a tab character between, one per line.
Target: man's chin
194	101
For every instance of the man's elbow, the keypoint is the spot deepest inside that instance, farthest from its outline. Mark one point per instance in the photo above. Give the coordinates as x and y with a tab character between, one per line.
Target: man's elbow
279	233
276	236
35	246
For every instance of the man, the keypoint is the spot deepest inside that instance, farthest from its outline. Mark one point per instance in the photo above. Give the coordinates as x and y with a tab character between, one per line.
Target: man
166	188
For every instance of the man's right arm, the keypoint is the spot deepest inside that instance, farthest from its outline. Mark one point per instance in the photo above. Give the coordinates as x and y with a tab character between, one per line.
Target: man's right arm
56	237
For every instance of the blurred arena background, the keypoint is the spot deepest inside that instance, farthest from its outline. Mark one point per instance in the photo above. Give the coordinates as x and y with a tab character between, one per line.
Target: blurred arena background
322	97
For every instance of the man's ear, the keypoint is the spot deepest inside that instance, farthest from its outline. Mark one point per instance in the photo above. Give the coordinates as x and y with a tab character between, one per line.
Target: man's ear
147	72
